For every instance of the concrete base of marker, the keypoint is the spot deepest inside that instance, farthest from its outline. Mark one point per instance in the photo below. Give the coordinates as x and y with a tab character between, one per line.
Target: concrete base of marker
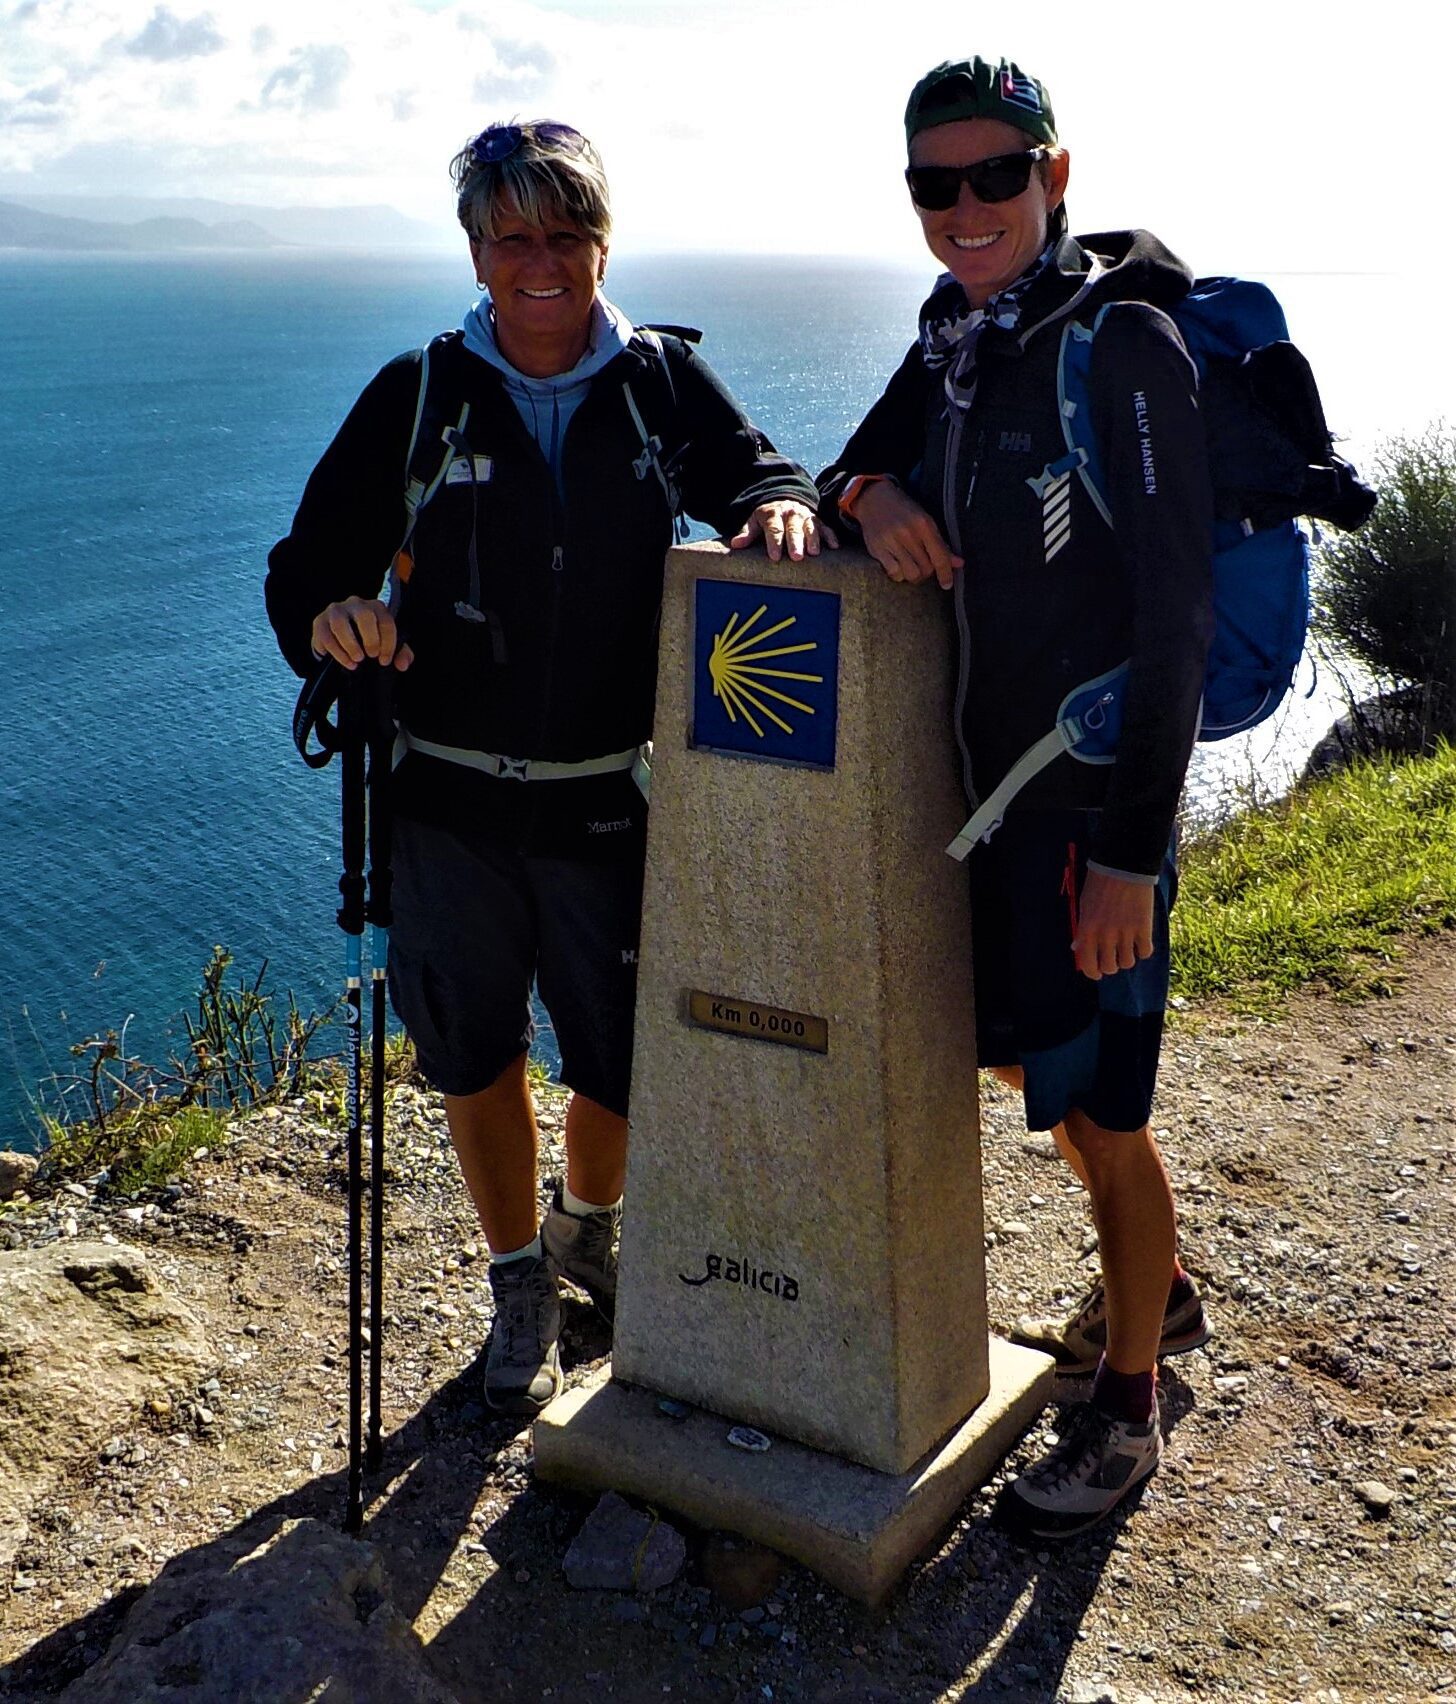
854	1527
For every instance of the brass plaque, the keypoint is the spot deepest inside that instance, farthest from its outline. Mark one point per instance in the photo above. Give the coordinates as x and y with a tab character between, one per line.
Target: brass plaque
761	1023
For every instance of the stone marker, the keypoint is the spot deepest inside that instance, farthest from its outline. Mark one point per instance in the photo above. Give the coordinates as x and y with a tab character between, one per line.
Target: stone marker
802	1249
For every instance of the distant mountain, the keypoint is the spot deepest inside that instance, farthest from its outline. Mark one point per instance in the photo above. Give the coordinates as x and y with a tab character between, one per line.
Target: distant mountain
308	227
24	227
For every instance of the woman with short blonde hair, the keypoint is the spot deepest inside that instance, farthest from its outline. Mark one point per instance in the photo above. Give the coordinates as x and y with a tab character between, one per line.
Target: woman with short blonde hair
561	444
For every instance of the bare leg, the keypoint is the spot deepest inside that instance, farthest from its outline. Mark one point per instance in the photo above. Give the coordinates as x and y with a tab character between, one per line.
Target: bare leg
1132	1206
494	1133
1013	1076
596	1151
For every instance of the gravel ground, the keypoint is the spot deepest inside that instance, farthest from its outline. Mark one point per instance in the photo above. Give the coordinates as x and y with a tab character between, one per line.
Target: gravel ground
1299	1542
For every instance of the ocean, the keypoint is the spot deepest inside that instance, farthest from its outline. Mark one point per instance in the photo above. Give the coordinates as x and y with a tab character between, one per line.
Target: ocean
161	415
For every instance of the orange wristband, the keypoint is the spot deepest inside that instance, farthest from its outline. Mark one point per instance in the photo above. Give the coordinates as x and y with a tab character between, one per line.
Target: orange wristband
852	492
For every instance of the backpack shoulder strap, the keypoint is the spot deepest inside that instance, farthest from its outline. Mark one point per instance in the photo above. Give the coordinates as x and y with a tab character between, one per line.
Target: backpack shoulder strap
652	460
1074	407
438	426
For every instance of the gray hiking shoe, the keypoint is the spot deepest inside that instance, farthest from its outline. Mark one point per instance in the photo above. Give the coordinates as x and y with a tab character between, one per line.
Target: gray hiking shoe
1095	1463
522	1367
1076	1342
584	1251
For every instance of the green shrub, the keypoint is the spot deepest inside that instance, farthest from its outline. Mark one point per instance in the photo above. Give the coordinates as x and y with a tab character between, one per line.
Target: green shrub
1386	595
139	1121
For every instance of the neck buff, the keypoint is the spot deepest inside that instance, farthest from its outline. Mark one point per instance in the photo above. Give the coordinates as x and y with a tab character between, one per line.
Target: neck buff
951	340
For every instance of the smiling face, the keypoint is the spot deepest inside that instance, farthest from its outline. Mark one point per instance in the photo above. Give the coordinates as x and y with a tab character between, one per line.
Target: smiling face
543	283
986	247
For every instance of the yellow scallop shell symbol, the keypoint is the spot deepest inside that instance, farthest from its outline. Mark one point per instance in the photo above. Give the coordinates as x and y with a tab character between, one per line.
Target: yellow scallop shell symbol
736	669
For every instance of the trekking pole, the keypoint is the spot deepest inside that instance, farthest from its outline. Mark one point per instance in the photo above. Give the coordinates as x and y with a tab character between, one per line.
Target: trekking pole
351	921
380	733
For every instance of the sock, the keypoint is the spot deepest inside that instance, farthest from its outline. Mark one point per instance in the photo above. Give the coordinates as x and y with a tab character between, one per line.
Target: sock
1124	1396
531	1251
580	1209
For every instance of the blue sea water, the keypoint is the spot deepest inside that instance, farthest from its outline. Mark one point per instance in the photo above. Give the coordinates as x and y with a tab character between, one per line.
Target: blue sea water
161	415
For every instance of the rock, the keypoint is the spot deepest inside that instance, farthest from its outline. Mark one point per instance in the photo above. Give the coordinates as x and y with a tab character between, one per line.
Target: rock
1386	722
16	1173
87	1336
306	1614
1376	1497
622	1549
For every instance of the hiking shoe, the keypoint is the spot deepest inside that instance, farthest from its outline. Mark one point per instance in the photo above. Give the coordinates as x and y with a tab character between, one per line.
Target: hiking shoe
584	1251
1076	1343
1086	1474
522	1367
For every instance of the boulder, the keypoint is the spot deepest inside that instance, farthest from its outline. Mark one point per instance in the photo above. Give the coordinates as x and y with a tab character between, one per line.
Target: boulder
16	1172
304	1615
1397	723
87	1335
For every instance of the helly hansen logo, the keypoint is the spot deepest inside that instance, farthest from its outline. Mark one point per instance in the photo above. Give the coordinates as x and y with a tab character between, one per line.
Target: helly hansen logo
1145	443
1019	443
1056	513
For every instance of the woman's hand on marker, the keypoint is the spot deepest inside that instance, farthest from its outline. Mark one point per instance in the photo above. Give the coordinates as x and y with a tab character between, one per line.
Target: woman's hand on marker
902	537
786	528
358	628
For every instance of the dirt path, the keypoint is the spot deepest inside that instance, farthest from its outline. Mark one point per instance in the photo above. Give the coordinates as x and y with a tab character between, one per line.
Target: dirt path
1315	1163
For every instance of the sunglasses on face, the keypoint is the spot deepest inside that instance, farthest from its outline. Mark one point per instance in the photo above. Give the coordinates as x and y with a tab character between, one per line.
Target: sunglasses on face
1001	178
498	142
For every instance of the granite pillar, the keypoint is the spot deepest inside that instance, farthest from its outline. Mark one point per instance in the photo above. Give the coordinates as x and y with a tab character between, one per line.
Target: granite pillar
802	1249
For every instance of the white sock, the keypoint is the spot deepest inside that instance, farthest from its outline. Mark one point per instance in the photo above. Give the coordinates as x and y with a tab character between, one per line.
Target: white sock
579	1208
531	1251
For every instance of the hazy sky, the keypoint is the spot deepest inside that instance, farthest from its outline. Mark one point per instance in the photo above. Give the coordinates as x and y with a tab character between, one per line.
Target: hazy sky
1251	136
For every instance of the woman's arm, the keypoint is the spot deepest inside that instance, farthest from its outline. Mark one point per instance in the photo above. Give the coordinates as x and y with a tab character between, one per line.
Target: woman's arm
869	489
729	468
1145	416
351	517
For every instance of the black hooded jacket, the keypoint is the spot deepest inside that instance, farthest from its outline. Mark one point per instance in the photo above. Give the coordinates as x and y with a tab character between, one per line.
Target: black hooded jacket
567	671
1051	596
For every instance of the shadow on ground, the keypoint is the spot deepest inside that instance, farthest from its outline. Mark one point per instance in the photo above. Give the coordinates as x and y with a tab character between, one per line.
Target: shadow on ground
987	1616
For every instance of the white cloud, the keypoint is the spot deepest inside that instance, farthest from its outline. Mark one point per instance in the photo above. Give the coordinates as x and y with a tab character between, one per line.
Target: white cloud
1248	136
167	36
312	80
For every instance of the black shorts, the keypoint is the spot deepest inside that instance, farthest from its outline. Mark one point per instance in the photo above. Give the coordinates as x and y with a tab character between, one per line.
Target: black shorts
1087	1045
475	922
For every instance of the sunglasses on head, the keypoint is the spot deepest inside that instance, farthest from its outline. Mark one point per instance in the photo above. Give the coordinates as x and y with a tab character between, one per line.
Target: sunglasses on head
1001	178
498	142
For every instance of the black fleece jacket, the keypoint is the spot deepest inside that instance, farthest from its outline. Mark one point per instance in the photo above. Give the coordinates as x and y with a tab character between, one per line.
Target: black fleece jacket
1051	595
575	584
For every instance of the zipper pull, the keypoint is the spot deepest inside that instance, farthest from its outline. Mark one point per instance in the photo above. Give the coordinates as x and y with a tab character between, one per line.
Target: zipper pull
556	562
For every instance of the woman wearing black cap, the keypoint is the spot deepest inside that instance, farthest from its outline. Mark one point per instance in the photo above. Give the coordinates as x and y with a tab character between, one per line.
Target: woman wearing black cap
560	443
961	472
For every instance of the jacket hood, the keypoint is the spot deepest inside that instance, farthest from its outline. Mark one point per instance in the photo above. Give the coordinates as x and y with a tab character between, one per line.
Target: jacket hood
1074	275
611	330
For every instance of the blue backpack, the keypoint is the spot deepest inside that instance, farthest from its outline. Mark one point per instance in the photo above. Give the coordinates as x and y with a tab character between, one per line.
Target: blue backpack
1271	460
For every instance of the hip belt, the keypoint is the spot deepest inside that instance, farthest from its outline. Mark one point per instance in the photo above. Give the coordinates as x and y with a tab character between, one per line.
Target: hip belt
638	759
